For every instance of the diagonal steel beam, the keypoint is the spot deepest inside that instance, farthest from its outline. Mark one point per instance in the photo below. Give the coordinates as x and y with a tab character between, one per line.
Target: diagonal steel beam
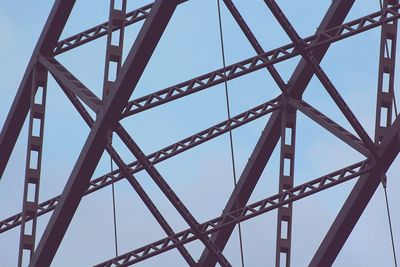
48	38
68	80
319	72
258	208
270	136
78	182
330	125
60	77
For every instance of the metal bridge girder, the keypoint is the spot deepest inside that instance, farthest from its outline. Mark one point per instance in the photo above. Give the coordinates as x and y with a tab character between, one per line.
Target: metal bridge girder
115	106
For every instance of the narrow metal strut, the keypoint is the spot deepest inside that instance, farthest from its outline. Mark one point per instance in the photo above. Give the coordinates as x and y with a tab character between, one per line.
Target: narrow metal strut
33	165
286	182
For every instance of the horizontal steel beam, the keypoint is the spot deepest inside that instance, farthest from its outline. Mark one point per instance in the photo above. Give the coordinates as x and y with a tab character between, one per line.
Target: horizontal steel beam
159	156
260	61
101	30
242	214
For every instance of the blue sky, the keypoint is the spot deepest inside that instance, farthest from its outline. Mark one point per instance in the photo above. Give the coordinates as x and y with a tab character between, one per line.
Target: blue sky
202	177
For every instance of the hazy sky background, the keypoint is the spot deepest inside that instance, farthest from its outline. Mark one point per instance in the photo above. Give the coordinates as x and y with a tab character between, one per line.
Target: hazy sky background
202	176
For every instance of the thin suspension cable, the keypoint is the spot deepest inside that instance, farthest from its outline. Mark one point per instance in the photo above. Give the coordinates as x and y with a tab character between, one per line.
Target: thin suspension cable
114	212
384	183
229	117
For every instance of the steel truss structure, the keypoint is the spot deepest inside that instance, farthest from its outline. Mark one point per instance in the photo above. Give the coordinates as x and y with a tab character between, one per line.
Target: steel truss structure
115	106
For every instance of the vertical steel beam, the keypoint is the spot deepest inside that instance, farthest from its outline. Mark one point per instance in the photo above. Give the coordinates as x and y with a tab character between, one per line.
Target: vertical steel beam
78	181
113	60
115	44
286	181
284	223
20	107
387	60
33	165
270	136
